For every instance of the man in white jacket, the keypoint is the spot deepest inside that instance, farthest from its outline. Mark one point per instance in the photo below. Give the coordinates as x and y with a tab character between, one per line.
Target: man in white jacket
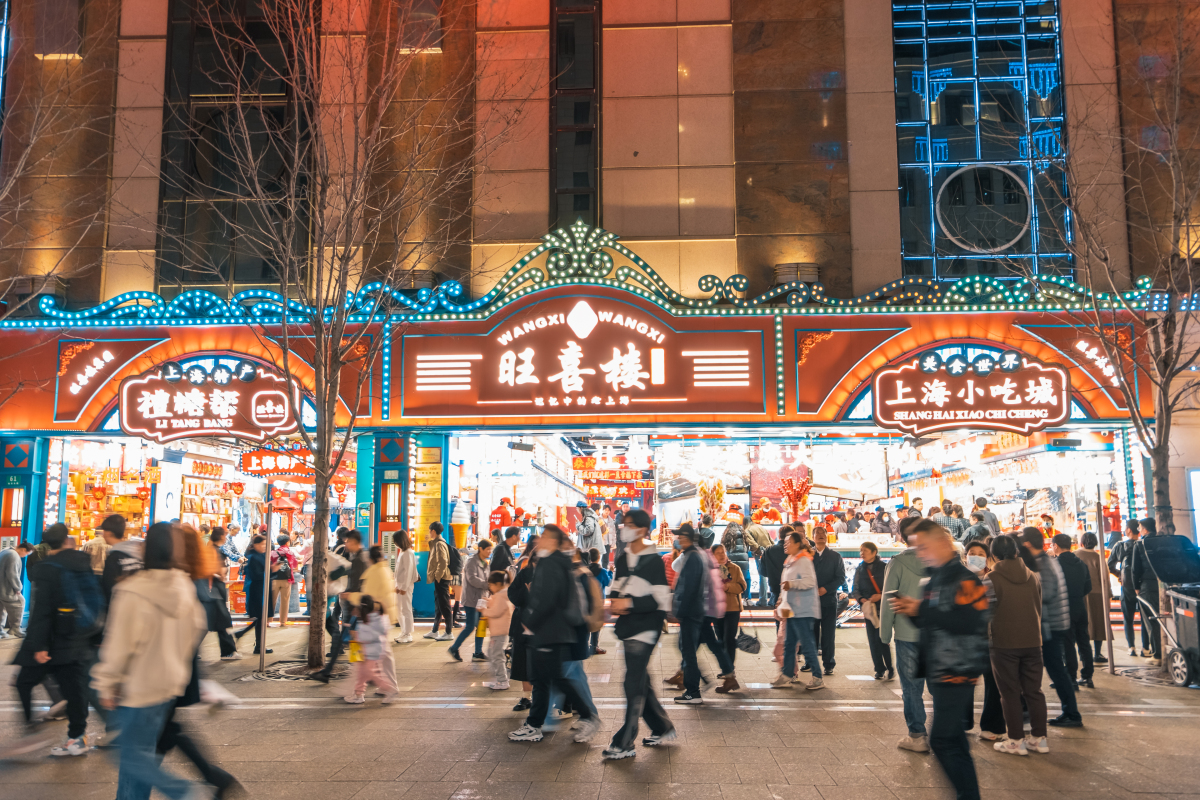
154	623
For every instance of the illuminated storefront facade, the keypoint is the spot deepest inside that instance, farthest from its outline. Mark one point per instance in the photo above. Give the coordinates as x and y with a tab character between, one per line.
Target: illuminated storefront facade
580	337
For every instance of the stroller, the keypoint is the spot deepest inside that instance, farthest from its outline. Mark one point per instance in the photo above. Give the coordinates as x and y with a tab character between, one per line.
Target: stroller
1176	562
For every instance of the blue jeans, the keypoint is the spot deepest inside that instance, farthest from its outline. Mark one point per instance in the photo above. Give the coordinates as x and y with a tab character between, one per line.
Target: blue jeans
572	672
469	630
140	770
912	688
800	631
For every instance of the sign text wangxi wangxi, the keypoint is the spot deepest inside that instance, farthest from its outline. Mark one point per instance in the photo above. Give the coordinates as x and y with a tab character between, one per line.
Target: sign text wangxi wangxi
583	357
172	401
1011	392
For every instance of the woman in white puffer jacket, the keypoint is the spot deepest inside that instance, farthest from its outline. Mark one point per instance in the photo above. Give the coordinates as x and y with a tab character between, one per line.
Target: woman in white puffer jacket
800	609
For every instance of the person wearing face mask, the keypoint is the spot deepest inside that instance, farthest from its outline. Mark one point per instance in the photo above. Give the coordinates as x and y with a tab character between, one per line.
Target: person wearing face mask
978	558
640	599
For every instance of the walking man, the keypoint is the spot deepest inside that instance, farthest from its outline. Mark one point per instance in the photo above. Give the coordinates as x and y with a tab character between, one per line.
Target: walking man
12	599
640	600
1120	564
952	616
438	573
831	574
692	578
1056	625
903	579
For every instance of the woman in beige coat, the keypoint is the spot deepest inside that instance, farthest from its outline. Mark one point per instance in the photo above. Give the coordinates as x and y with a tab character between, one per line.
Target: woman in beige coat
1097	613
377	581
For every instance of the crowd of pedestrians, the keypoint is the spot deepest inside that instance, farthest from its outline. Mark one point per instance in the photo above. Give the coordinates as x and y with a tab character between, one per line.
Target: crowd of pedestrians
118	626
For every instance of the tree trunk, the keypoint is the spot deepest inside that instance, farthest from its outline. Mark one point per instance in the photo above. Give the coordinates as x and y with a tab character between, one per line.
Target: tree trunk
316	574
1160	463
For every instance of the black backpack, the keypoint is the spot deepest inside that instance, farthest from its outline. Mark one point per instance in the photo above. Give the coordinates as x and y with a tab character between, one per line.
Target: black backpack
455	560
285	568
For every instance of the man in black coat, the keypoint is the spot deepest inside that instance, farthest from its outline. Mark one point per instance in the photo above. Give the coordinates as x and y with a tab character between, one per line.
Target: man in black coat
772	567
1079	585
502	557
552	634
831	574
54	645
1145	581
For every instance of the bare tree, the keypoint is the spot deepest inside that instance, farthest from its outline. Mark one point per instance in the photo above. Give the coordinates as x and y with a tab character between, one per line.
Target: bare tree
337	144
1135	279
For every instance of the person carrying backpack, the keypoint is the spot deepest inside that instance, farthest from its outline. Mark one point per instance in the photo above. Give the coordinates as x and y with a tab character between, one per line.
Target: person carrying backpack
556	608
696	603
67	609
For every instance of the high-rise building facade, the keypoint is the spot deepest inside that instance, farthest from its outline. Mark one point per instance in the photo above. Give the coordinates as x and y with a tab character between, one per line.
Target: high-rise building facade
855	143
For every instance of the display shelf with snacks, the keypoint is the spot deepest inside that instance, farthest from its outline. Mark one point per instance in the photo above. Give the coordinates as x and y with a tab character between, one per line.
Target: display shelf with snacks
88	501
205	502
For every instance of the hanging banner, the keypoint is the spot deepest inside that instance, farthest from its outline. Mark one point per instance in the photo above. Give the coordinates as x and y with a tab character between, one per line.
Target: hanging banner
597	356
1013	392
266	463
247	400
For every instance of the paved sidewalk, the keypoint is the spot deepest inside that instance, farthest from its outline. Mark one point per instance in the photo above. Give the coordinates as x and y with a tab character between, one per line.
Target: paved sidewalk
446	739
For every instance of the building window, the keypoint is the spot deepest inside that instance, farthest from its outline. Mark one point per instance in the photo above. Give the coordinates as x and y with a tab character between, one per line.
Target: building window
980	135
218	217
574	112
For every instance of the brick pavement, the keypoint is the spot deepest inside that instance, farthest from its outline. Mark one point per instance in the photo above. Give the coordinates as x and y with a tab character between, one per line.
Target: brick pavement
446	739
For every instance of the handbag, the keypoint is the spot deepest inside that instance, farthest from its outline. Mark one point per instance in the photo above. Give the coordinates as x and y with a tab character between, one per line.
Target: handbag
747	643
871	610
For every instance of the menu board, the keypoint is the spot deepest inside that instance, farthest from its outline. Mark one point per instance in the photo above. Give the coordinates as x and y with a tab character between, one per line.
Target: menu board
427	497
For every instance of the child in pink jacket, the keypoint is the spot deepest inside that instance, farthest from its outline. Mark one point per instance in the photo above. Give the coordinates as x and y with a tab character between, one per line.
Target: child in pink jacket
499	616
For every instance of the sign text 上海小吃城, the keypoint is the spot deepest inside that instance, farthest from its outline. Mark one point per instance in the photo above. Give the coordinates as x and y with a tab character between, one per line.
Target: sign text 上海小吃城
1012	392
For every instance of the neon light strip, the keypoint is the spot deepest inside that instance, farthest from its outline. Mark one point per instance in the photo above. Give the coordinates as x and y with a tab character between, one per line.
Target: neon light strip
430	388
658	399
475	357
443	380
443	372
716	352
502	402
440	364
730	368
721	361
721	383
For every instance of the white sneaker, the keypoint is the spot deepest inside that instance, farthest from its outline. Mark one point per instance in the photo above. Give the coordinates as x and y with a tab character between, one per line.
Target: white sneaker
355	699
781	682
73	747
234	656
587	729
388	699
1154	662
496	687
1041	745
814	684
988	736
558	714
430	635
916	744
613	754
404	640
1015	747
445	637
526	733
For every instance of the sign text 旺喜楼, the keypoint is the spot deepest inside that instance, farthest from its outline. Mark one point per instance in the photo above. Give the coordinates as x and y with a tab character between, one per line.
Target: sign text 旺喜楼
1012	392
175	402
597	356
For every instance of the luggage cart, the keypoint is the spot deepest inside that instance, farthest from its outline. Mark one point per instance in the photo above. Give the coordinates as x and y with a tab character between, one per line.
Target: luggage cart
1176	562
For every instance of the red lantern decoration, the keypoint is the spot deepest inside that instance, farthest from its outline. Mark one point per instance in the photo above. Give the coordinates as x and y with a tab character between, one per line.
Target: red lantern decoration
341	497
339	487
143	493
301	497
277	494
99	492
237	488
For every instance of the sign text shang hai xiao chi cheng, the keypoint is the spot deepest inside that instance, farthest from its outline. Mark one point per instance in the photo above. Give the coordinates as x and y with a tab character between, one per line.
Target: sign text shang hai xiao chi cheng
171	402
1012	392
583	357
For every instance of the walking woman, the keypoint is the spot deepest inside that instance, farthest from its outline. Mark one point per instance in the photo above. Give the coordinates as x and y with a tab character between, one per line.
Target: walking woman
474	587
1098	621
405	576
518	595
868	591
1016	633
256	564
154	624
800	610
978	558
735	584
215	596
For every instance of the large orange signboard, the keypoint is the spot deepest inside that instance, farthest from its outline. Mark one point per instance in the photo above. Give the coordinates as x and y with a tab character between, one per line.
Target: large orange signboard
1012	392
590	357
